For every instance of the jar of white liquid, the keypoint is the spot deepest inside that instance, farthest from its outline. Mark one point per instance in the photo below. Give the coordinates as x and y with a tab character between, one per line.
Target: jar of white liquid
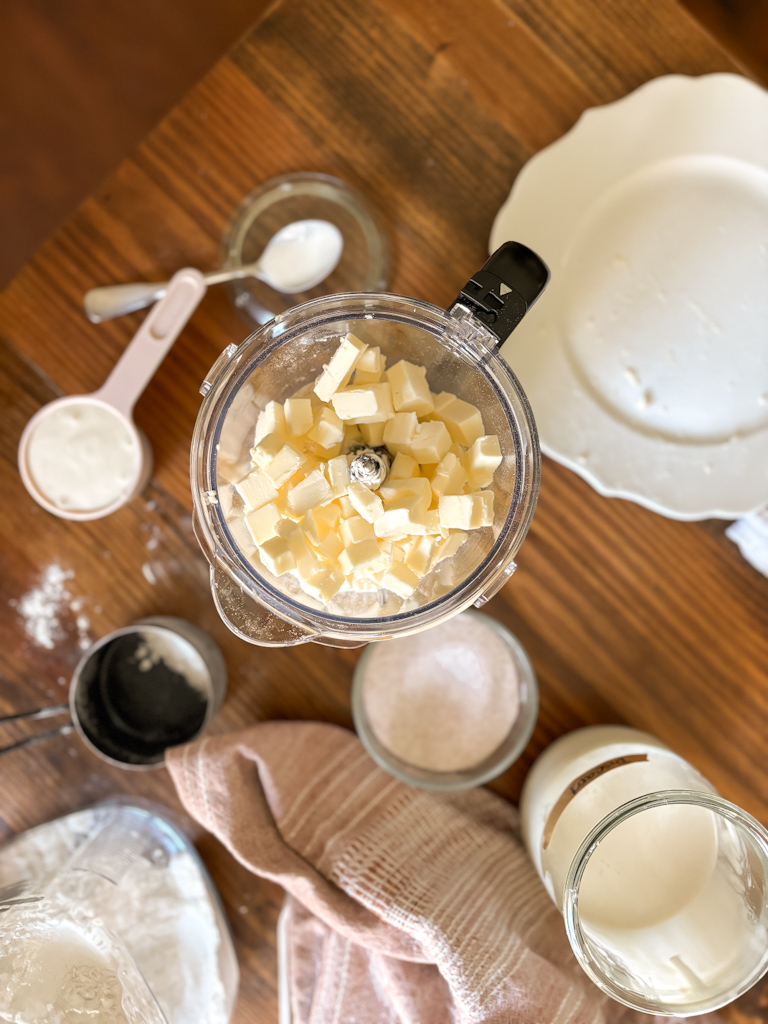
661	882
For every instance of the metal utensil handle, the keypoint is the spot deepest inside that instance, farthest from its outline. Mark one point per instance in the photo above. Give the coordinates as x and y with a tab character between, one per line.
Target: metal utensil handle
112	300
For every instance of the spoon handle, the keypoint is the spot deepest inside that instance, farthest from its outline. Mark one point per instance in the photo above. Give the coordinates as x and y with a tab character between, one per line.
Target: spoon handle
113	300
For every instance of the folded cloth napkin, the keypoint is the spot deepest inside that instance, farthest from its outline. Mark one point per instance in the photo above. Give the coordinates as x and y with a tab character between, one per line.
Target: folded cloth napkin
407	907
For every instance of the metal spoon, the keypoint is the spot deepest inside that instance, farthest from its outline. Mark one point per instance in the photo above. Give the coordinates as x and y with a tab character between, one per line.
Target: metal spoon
297	258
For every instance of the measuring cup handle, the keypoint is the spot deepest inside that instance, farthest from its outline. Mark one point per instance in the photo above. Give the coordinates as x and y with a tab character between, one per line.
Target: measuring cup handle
151	343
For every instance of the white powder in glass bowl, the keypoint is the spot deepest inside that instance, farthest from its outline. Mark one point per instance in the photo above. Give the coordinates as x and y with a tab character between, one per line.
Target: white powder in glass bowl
443	699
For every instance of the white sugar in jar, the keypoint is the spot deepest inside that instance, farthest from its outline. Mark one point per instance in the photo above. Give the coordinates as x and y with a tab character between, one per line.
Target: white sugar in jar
81	458
449	707
662	883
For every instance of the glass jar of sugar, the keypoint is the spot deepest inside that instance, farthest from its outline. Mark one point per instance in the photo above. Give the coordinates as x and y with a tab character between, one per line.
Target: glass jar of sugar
661	882
447	709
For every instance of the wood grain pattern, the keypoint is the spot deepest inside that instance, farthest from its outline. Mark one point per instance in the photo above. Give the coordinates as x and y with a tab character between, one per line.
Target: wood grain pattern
432	109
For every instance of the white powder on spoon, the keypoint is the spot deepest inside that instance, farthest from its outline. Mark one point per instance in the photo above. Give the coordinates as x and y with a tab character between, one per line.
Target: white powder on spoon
443	699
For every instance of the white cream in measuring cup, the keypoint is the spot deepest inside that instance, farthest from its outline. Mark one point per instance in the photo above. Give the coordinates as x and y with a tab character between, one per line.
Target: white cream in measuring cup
82	457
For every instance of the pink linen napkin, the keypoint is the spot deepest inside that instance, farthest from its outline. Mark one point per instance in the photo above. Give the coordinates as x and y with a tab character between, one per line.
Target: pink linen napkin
407	907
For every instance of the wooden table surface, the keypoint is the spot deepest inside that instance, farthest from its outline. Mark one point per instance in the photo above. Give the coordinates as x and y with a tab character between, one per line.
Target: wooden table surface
431	108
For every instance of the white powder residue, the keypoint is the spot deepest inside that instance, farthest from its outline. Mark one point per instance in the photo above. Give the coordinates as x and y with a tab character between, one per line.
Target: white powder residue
41	609
148	573
162	912
443	699
175	653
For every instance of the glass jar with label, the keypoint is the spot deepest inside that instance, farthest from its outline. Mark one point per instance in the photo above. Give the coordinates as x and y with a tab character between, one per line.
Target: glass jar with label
662	883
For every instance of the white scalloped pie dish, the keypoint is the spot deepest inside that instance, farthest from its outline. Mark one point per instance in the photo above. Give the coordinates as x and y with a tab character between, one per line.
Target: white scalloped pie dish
646	359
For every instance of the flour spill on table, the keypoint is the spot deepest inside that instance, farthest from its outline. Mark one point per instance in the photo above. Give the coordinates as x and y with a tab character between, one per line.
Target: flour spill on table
42	607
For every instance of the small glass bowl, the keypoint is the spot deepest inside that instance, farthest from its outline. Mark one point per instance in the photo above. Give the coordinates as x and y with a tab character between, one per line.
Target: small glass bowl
365	261
494	764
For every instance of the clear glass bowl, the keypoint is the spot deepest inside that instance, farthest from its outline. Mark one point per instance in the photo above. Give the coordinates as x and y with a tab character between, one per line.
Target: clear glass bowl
460	355
365	260
502	758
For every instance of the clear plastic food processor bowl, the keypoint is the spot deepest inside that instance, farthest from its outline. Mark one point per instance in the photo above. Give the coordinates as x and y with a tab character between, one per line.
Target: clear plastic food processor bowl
460	354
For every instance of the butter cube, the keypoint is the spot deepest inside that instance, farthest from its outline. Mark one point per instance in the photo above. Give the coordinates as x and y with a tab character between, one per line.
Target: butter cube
313	490
449	476
399	430
338	475
307	562
441	402
330	547
419	557
298	415
365	502
338	371
256	489
284	465
403	467
267	448
277	556
324	584
316	526
466	511
400	580
367	403
463	421
328	430
262	522
396	490
370	366
354	530
430	442
405	516
432	523
448	546
353	436
355	556
410	391
373	433
482	460
347	511
271	421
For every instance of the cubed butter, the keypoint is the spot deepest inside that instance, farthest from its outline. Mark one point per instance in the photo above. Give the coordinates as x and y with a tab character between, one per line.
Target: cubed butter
405	516
419	557
410	391
267	448
354	530
330	547
482	460
307	562
466	511
338	475
324	585
463	421
399	431
313	490
449	476
367	403
338	371
357	555
271	421
262	522
448	546
430	442
298	416
284	465
396	490
400	579
370	366
372	433
365	502
328	430
256	489
403	467
277	556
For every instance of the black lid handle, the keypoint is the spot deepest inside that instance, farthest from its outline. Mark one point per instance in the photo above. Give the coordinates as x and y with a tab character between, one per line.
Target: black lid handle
502	292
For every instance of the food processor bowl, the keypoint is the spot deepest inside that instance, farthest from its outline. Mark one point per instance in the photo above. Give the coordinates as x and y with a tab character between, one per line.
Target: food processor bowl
459	350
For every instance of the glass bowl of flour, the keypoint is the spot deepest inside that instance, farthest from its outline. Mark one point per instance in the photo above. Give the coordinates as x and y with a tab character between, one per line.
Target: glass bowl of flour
448	709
